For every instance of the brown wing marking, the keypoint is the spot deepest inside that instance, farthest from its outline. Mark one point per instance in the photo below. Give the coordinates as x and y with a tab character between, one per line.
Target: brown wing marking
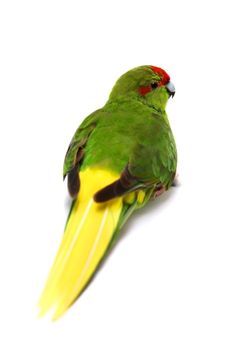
73	176
124	184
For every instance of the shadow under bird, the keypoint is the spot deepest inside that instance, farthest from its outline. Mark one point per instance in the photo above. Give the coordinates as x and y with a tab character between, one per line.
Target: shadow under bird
120	157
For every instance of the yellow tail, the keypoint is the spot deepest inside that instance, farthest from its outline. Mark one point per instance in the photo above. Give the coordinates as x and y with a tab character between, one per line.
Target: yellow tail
87	236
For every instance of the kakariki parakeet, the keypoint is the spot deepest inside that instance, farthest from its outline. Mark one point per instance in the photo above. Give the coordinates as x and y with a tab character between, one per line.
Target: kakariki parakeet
120	157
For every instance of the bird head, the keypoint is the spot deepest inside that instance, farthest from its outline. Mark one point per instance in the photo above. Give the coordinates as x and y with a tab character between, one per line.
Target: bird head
150	84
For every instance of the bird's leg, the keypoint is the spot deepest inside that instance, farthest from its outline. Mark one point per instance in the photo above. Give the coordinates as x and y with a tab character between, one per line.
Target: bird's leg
160	189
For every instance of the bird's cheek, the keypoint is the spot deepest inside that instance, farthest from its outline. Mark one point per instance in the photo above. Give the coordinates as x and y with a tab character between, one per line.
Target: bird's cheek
163	97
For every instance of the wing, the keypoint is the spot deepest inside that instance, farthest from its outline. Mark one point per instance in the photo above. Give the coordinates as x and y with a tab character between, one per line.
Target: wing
152	165
75	152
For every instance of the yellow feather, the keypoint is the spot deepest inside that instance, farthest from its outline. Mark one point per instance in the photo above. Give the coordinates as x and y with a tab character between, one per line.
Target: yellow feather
87	236
140	197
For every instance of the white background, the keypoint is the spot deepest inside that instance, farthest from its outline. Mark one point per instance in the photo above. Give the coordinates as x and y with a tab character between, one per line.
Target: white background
172	282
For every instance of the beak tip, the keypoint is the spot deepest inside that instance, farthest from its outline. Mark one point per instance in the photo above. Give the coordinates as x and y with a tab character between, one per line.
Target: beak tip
171	89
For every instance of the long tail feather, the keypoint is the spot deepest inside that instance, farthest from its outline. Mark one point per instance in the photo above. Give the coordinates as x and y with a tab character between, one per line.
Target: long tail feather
87	236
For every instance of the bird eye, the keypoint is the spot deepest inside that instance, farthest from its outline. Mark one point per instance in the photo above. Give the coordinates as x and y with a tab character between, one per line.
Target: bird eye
154	85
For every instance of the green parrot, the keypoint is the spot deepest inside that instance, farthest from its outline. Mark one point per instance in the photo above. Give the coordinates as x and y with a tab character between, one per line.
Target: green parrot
120	157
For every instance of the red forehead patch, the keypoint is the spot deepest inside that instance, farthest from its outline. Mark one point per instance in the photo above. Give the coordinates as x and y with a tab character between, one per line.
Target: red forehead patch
164	75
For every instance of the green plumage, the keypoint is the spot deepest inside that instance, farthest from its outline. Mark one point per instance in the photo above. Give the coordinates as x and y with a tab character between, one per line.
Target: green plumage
130	130
125	154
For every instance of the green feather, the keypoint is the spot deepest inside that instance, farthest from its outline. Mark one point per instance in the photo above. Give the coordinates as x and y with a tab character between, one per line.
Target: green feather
124	149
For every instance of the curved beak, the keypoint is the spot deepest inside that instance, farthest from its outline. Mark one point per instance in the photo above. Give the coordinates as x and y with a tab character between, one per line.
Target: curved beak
170	88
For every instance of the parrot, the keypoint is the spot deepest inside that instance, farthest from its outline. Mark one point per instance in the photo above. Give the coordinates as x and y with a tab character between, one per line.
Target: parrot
121	156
